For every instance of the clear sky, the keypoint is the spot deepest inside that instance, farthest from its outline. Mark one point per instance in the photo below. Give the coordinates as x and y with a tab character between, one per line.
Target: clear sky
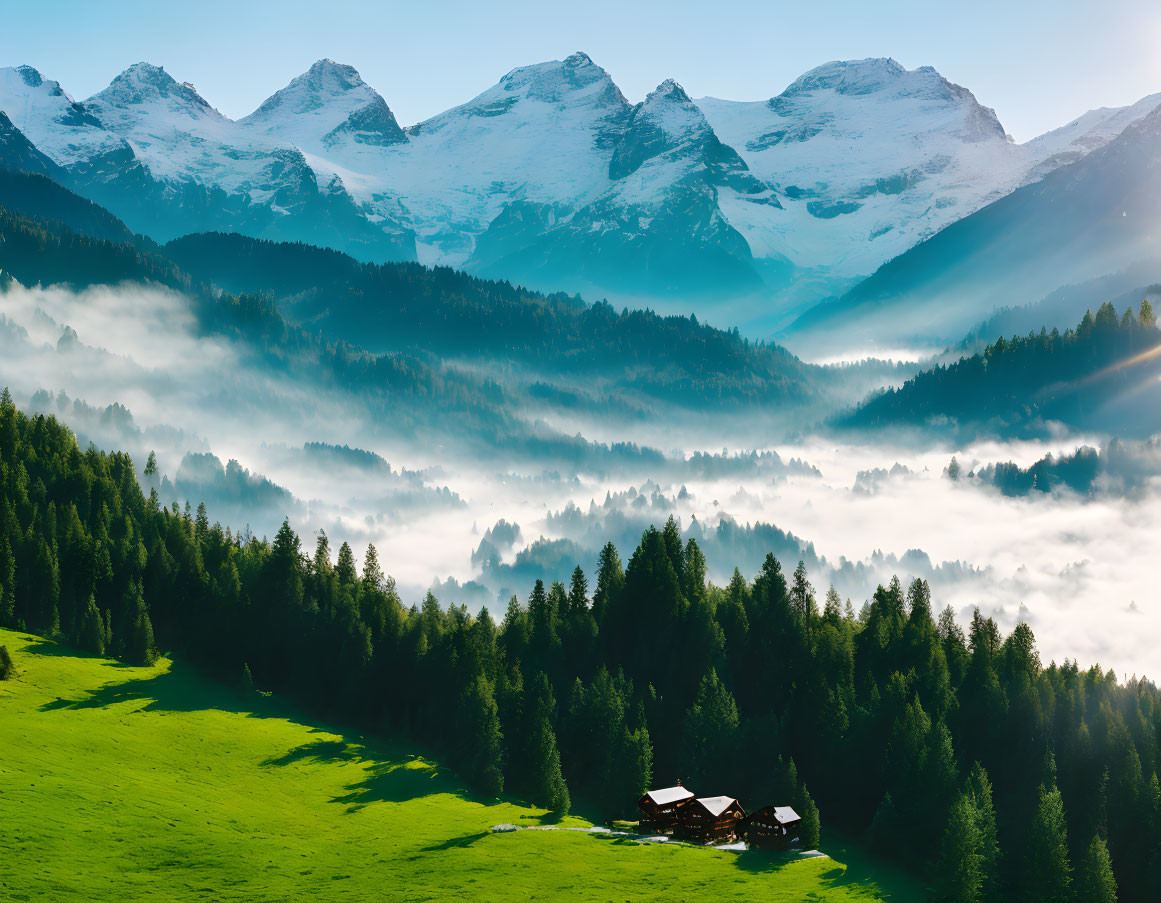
1038	63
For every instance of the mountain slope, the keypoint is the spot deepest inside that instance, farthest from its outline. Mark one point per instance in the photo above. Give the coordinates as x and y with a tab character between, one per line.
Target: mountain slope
657	229
1103	376
1090	218
162	159
324	814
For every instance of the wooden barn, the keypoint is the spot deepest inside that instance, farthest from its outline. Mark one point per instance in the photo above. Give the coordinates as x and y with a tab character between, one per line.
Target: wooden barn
660	808
711	818
771	826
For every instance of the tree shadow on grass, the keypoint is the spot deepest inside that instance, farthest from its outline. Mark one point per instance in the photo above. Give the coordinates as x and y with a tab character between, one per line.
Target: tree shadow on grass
395	782
759	860
853	867
318	752
169	688
452	842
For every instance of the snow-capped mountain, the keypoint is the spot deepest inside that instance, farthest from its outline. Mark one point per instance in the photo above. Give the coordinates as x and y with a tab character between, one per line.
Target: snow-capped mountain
870	158
553	177
1097	216
323	109
162	158
656	226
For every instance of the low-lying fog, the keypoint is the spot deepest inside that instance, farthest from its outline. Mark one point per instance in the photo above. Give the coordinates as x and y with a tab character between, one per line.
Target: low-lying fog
1078	569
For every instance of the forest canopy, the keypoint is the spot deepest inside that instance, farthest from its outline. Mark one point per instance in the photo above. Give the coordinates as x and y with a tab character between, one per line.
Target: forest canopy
957	753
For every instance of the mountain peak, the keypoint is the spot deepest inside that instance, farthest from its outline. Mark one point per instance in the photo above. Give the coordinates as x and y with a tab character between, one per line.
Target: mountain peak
327	75
145	83
669	90
854	77
31	77
552	81
324	105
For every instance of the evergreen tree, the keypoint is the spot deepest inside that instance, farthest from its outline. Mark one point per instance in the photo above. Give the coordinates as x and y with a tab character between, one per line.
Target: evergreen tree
246	687
7	667
372	573
140	648
610	581
91	635
1094	874
1147	317
7	583
1047	873
810	828
979	792
481	744
961	866
345	568
709	733
545	780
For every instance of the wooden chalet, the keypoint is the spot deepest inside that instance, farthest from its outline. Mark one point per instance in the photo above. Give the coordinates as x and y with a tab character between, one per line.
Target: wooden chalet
711	818
660	808
771	826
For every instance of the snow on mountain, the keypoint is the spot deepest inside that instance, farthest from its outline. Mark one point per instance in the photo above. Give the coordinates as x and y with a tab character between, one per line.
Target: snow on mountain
1095	217
324	107
60	127
179	135
552	176
656	227
1087	133
18	153
869	158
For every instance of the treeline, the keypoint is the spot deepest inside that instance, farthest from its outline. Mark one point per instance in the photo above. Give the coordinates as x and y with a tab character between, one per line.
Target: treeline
405	306
962	756
403	311
1122	466
1016	384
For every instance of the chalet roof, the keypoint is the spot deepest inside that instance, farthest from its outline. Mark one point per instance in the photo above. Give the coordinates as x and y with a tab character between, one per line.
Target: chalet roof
667	795
716	805
785	814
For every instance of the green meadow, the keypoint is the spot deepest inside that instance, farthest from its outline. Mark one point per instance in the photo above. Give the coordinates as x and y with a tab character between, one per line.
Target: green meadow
123	784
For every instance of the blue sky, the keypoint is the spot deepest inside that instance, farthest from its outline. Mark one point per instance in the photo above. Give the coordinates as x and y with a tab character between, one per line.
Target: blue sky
1038	63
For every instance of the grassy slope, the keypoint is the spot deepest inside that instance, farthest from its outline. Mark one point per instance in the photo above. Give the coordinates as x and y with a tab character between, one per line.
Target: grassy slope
121	783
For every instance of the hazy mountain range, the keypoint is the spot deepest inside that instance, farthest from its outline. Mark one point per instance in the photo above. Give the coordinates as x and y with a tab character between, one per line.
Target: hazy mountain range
553	178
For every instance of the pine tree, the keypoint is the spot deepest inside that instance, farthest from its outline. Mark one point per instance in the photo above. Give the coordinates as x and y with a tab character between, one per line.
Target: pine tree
1147	317
481	742
151	465
45	614
373	578
1094	875
634	771
7	584
345	568
246	685
1047	872
610	581
7	667
545	780
961	867
141	650
810	828
979	791
710	731
91	635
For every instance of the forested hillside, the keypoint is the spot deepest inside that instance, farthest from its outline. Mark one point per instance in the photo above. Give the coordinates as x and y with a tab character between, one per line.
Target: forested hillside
1101	375
410	306
963	756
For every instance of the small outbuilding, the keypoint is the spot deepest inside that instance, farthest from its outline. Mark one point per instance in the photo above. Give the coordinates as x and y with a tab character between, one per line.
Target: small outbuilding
771	826
660	808
711	818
